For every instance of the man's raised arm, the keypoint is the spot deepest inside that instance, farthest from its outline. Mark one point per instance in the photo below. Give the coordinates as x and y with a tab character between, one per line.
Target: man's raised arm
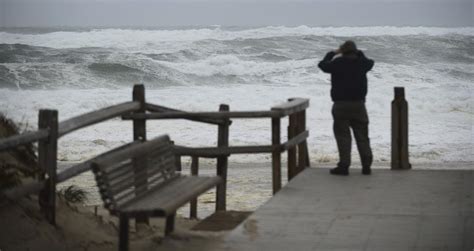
368	63
326	64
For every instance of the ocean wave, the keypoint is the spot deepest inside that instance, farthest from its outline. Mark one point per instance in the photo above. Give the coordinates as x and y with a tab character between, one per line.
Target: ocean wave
135	38
112	68
17	53
232	65
273	57
284	60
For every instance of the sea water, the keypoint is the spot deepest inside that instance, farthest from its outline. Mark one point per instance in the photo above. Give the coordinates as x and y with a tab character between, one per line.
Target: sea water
77	70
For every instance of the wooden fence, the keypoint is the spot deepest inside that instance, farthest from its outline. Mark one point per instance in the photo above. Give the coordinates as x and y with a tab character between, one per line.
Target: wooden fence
138	110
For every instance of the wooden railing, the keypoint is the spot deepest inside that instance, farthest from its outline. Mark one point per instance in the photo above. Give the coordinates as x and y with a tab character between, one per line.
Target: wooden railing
296	145
138	110
47	135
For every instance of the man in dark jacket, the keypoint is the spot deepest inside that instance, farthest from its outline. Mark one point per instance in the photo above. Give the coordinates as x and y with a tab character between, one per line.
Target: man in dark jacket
348	91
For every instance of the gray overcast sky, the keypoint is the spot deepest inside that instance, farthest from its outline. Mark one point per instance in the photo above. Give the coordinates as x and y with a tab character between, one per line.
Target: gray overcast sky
21	13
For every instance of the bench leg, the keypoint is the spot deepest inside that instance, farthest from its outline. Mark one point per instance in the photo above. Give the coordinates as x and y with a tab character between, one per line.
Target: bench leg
169	228
123	234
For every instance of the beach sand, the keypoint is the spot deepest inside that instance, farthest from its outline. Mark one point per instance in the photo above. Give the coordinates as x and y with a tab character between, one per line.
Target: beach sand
78	228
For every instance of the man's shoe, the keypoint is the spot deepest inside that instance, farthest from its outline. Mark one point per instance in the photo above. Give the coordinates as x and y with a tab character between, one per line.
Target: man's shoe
366	171
339	171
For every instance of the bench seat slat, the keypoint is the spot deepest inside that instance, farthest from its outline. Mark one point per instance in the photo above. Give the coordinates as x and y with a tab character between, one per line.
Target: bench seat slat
122	183
125	167
120	169
131	193
117	181
168	198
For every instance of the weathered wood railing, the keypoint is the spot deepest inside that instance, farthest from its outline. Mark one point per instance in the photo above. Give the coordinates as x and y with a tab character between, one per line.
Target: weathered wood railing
47	135
296	145
139	111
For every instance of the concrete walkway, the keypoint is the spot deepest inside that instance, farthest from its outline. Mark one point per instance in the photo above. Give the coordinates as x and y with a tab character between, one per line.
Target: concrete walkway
389	210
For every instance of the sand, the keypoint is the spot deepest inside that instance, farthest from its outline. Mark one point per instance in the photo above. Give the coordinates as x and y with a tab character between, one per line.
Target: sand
79	228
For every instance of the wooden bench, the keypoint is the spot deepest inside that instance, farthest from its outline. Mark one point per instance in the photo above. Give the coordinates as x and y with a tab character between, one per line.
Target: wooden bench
140	179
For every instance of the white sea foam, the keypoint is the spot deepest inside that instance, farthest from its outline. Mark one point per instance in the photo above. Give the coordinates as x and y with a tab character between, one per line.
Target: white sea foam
232	65
438	129
146	39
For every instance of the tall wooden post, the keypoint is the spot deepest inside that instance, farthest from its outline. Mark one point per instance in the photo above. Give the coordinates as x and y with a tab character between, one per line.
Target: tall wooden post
139	133
47	152
400	130
177	159
276	155
222	161
302	147
292	122
194	172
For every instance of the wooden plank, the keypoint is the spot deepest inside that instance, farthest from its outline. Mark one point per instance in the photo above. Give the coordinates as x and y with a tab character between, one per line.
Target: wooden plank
208	115
158	108
119	170
146	174
24	138
222	161
399	153
308	162
178	165
123	232
194	172
217	151
169	225
167	193
126	192
132	150
292	106
139	133
94	117
301	128
127	198
298	139
173	195
276	155
86	165
195	188
289	145
48	119
177	157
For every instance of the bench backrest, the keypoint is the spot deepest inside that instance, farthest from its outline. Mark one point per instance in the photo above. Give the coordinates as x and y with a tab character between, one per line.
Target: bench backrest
130	171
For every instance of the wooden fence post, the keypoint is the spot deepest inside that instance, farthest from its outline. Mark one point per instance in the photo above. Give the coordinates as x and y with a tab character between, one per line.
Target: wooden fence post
177	159
139	133
222	161
302	147
47	156
292	132
276	155
194	172
400	130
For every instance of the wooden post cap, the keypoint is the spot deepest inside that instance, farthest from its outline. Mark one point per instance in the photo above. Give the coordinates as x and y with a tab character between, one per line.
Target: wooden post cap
399	92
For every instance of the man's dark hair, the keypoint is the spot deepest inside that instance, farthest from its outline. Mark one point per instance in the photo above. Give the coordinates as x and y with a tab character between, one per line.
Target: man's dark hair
348	47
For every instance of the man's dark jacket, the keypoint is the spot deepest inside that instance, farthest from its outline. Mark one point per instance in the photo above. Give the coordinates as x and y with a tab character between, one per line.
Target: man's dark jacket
348	75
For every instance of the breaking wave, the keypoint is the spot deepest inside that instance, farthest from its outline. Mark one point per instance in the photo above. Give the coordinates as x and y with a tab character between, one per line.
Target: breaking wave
112	58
